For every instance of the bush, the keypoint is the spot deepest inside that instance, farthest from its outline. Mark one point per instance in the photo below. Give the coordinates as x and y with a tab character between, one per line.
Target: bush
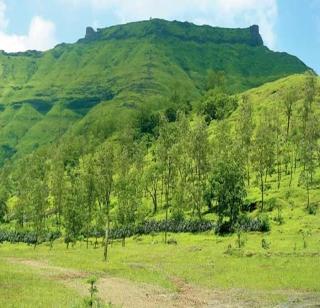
157	226
245	223
312	208
223	228
26	236
259	224
271	204
177	215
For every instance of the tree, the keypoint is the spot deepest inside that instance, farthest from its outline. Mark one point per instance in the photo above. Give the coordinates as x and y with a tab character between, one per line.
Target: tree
310	134
245	131
309	148
151	176
165	155
57	184
290	98
128	181
181	190
87	184
279	141
20	185
217	105
5	192
104	170
72	206
198	151
263	154
216	80
38	193
228	186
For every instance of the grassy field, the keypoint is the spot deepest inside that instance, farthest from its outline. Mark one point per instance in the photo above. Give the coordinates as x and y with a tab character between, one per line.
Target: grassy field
200	269
289	269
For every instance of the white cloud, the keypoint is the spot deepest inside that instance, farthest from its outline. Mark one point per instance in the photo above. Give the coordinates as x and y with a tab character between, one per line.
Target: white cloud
40	36
228	13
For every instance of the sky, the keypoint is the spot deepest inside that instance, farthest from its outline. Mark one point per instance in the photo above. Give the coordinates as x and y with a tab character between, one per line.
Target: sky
292	26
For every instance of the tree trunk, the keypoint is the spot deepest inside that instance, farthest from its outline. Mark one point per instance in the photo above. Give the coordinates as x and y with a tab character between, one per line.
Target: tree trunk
262	192
308	193
279	175
106	243
248	171
166	229
155	202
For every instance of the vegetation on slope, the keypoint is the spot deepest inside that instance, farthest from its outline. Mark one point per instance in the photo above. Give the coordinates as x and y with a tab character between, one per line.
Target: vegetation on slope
128	65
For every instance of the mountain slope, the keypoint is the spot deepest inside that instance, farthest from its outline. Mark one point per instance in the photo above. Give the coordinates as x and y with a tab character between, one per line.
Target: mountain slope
140	62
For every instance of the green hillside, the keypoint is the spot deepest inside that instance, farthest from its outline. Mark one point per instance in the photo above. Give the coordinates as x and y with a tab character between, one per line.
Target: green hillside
178	164
210	233
112	70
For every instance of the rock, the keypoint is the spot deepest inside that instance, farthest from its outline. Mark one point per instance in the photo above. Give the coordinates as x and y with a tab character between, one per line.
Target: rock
256	39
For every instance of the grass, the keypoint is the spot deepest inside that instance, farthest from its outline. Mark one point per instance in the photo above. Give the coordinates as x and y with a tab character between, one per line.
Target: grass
201	260
290	264
20	287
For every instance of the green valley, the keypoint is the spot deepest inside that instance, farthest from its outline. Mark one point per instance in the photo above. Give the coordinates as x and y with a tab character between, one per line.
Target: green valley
159	164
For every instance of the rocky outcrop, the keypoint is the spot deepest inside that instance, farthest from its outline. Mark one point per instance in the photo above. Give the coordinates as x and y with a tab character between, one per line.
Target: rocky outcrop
255	36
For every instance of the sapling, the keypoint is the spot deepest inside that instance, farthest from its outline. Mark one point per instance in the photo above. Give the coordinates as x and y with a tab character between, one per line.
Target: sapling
240	240
304	235
93	290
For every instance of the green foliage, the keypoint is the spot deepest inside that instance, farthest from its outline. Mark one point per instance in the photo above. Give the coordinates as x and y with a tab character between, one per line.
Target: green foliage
217	105
228	189
122	68
92	301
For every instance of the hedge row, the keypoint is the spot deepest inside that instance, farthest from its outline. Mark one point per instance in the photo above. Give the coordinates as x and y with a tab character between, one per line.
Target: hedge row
154	226
27	237
148	227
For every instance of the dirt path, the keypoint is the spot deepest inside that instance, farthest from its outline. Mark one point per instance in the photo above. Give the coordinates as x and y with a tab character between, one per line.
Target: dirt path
126	293
122	292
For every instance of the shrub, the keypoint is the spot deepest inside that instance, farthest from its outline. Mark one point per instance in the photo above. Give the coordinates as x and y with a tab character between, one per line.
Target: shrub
27	236
265	244
259	224
177	215
312	208
271	204
223	228
157	226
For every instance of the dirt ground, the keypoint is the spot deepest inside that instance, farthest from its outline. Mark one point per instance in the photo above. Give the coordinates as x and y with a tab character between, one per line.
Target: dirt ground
126	293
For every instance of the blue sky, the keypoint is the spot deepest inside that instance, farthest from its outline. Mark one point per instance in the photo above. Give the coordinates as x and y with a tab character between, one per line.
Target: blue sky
286	25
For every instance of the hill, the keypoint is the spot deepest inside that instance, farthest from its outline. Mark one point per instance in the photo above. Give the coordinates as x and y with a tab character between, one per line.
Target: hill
270	259
101	79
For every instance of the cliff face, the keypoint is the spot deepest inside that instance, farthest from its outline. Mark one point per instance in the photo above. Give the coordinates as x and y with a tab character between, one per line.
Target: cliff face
255	36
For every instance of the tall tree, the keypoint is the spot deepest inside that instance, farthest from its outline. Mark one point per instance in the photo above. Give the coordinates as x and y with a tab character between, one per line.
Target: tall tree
38	192
104	170
57	184
199	150
263	154
290	98
165	154
128	181
87	182
245	131
151	177
73	213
